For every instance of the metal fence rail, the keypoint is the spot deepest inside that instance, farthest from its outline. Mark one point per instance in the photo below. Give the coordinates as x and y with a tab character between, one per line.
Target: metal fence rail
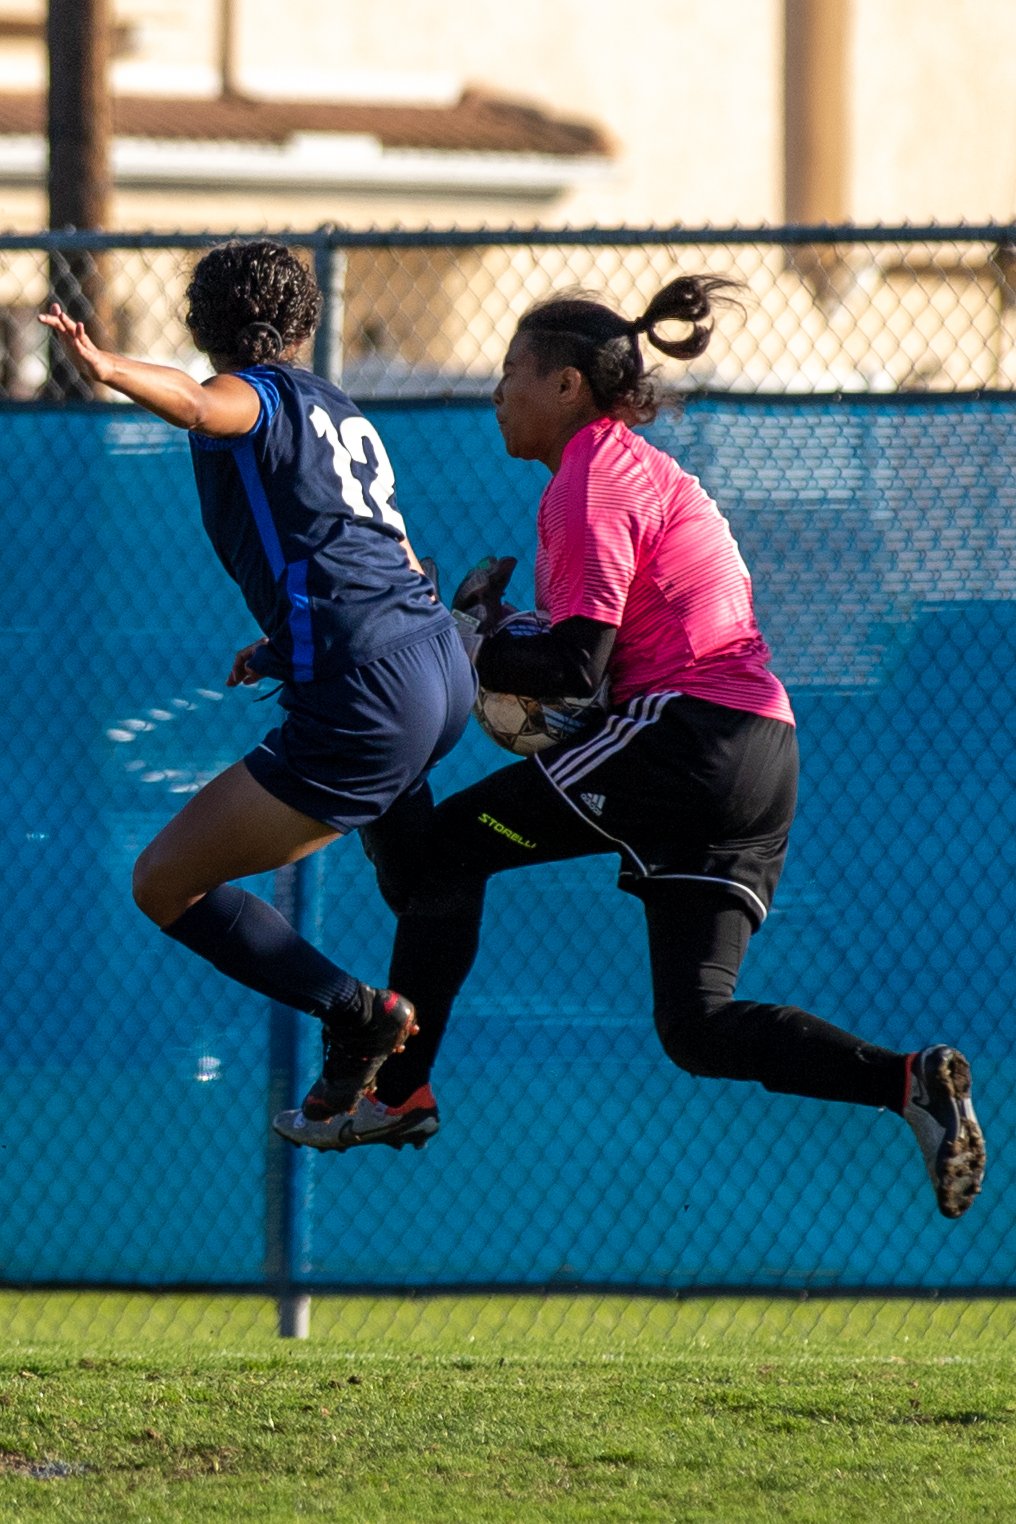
881	532
430	313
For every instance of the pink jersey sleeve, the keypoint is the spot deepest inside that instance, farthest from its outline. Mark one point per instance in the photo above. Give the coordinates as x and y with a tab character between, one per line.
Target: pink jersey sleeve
592	520
626	537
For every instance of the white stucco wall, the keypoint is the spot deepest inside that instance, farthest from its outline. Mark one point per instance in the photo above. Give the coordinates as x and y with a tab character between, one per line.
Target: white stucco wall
934	110
689	91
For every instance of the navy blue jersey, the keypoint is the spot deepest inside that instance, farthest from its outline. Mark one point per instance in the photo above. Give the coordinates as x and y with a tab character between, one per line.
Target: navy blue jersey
302	514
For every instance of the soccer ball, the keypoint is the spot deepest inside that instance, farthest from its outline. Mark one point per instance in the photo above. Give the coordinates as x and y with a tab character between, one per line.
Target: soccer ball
527	725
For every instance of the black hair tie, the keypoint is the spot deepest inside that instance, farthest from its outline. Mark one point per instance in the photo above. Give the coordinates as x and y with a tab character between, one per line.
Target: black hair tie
255	330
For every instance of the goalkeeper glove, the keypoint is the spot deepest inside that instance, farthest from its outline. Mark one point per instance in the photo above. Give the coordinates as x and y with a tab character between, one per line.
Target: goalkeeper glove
477	606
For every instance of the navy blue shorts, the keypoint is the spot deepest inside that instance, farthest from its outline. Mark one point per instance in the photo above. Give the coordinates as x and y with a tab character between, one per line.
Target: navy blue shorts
350	746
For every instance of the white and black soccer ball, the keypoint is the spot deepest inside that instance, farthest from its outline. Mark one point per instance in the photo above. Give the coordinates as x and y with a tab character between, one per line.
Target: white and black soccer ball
527	725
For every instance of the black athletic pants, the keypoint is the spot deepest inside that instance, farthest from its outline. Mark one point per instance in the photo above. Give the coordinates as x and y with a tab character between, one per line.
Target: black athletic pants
433	865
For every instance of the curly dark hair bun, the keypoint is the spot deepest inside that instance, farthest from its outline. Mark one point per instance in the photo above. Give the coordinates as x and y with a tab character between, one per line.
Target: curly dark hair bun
250	302
260	343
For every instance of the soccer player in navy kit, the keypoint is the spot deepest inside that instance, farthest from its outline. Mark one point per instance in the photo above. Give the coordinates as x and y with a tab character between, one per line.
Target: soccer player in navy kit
297	497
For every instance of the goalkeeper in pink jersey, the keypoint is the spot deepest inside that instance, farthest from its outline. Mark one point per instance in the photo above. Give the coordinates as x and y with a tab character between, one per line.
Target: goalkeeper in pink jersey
691	777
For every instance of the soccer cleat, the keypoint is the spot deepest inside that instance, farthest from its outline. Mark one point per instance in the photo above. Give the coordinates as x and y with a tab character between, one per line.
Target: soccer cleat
354	1053
940	1112
371	1121
413	1122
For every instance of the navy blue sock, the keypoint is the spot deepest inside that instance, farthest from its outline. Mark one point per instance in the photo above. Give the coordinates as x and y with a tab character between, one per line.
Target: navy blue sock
247	939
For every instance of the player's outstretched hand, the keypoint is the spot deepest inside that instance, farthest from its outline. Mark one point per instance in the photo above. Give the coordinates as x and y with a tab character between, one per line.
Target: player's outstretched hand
91	361
242	671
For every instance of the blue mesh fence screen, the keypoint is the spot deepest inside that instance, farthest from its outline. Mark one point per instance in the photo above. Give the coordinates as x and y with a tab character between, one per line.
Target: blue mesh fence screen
134	1083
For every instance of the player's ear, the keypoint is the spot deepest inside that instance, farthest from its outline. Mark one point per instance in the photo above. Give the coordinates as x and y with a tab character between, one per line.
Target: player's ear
570	383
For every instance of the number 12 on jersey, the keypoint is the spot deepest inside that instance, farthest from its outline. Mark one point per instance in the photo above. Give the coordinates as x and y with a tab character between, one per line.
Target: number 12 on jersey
348	444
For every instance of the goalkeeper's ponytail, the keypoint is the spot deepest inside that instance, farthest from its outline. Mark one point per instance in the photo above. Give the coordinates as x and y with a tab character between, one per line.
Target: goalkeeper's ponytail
575	328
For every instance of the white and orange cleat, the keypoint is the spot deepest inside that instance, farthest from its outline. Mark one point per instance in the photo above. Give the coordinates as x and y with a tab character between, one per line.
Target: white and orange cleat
414	1123
353	1053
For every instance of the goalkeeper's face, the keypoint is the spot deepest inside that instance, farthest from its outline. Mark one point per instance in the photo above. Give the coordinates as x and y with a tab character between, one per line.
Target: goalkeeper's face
535	409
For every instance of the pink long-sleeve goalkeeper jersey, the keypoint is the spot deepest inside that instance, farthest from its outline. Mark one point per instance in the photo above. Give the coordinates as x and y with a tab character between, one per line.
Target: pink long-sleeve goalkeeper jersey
626	537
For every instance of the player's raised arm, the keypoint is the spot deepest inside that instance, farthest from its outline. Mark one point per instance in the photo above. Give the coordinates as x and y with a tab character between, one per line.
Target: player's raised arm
223	406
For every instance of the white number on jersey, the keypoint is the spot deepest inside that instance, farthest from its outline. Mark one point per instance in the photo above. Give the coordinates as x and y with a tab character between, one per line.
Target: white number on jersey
348	443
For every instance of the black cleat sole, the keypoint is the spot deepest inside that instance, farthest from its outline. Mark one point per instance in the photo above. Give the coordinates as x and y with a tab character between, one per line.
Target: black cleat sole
961	1160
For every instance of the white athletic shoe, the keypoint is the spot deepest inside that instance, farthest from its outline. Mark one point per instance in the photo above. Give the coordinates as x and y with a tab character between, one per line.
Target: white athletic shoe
942	1116
370	1121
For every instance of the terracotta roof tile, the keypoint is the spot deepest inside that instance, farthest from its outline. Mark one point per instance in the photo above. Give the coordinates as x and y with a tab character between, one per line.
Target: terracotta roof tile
476	123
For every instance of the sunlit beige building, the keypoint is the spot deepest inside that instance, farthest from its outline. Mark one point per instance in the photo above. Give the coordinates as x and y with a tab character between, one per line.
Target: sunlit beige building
248	114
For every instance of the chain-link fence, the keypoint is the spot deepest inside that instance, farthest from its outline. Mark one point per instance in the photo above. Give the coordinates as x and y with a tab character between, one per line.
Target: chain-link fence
430	313
137	1085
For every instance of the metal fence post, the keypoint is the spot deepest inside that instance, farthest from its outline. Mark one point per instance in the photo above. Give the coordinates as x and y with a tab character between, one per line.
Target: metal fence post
286	1179
330	269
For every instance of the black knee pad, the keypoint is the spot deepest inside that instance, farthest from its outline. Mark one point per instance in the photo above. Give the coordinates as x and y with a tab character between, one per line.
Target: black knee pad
686	1038
420	875
397	866
446	897
395	881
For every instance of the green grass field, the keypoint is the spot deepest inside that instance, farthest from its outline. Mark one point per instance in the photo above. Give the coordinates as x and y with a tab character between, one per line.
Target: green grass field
155	1408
